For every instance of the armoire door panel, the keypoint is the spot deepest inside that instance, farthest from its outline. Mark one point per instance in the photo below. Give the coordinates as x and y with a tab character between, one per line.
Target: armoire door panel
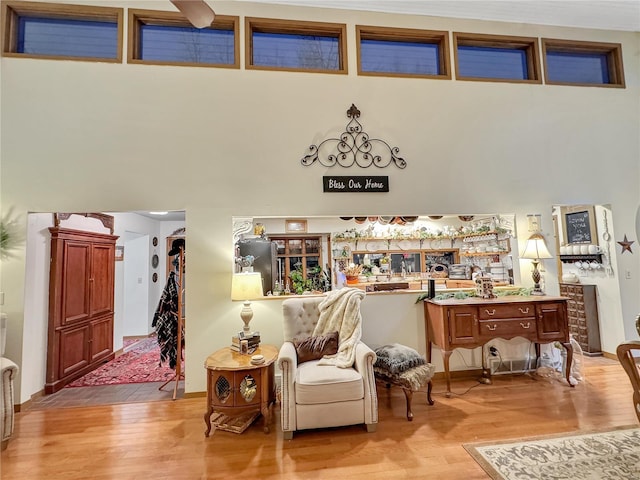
101	281
81	283
101	338
74	349
75	288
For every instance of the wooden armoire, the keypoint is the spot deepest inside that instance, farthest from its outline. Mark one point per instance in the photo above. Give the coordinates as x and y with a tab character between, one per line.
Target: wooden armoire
81	285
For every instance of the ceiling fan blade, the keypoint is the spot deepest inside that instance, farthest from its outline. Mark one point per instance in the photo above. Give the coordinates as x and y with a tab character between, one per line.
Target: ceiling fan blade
198	12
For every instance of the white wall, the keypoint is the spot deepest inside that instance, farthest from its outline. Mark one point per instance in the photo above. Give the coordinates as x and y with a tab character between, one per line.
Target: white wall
36	305
220	143
608	290
136	285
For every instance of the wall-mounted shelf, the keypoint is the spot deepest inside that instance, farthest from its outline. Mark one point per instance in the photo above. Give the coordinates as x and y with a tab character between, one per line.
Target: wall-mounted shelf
581	258
468	237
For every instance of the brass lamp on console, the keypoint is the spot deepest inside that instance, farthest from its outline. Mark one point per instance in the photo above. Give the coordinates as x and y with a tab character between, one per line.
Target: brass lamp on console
246	286
534	250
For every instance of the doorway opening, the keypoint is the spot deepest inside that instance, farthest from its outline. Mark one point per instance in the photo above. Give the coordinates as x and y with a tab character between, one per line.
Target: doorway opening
141	267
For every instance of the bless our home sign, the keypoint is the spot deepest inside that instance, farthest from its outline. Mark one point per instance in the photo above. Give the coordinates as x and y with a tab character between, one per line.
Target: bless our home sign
355	184
354	147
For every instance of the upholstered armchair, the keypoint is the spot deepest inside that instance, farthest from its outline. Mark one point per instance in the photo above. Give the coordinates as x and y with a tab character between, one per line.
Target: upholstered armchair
319	396
8	370
625	352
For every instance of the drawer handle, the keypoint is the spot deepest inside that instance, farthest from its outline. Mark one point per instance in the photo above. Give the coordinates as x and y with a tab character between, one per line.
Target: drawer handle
492	312
525	311
492	328
525	326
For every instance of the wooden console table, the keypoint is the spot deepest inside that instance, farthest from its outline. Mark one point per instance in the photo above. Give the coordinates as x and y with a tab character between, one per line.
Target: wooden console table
472	322
235	385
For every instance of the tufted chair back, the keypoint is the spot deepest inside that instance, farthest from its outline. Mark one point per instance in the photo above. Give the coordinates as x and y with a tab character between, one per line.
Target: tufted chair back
300	317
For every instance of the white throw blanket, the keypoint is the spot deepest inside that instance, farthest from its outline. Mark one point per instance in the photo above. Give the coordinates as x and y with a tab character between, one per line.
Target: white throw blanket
340	312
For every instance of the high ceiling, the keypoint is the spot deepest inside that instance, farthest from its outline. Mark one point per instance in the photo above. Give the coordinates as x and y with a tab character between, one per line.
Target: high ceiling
601	14
621	15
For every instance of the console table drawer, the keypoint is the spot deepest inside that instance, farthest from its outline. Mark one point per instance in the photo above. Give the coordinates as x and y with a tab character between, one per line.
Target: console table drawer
507	328
523	310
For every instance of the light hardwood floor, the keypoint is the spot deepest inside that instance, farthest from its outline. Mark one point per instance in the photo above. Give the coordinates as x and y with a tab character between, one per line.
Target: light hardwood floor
165	439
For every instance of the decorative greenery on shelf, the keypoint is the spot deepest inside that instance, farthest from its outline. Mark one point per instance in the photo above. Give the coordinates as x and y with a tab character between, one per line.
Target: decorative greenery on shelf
355	235
524	292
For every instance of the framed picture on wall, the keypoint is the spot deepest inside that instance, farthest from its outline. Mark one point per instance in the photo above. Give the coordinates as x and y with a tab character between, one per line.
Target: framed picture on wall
119	253
579	224
295	226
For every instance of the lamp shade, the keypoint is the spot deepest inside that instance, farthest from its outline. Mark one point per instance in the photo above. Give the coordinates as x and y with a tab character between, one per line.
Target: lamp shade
246	286
536	248
196	11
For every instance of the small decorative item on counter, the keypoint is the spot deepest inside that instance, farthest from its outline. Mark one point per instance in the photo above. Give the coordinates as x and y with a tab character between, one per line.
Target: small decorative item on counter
245	263
352	272
259	229
439	270
484	286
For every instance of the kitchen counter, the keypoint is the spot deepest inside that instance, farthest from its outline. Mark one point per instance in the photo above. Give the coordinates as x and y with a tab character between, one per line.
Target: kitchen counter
413	287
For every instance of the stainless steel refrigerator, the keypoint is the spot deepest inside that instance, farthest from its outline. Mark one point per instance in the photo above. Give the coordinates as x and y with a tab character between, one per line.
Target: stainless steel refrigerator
265	256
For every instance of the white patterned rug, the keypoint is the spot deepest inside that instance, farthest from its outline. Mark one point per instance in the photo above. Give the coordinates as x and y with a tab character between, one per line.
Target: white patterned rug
610	455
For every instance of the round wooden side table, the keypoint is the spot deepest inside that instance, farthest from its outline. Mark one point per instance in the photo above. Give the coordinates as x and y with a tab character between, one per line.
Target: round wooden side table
235	385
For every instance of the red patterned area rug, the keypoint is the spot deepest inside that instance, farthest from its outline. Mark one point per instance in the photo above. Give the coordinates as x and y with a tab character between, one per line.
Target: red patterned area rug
140	364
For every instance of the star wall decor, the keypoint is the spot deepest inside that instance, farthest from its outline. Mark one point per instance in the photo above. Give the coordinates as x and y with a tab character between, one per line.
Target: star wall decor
626	245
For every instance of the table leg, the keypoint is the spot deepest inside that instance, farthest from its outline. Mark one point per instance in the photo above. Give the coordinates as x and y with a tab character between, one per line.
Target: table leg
266	416
446	354
569	348
486	372
266	376
429	388
408	395
207	419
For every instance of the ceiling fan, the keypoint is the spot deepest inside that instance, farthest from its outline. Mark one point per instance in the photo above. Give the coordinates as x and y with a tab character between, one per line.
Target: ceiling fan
198	12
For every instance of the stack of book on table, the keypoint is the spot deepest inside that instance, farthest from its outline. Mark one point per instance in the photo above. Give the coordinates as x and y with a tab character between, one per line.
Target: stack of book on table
253	342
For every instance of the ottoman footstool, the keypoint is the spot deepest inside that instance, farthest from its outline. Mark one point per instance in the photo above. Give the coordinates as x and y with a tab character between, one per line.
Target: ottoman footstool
401	366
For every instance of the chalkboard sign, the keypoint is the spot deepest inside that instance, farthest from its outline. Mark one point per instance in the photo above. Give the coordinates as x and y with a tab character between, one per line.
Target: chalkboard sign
579	225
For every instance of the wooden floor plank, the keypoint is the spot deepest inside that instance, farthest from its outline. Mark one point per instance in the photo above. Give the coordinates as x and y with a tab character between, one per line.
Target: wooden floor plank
165	439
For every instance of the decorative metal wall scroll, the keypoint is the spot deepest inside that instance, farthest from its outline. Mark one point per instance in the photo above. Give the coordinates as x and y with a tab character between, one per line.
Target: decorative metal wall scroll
354	147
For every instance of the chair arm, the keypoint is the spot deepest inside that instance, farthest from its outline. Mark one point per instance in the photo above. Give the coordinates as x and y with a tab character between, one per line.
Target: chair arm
8	372
288	364
8	366
287	357
365	358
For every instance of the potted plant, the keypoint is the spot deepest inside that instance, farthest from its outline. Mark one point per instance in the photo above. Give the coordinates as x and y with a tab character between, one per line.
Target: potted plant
352	271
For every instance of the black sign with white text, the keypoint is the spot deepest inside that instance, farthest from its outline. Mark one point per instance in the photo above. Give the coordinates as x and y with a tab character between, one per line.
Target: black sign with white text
355	184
